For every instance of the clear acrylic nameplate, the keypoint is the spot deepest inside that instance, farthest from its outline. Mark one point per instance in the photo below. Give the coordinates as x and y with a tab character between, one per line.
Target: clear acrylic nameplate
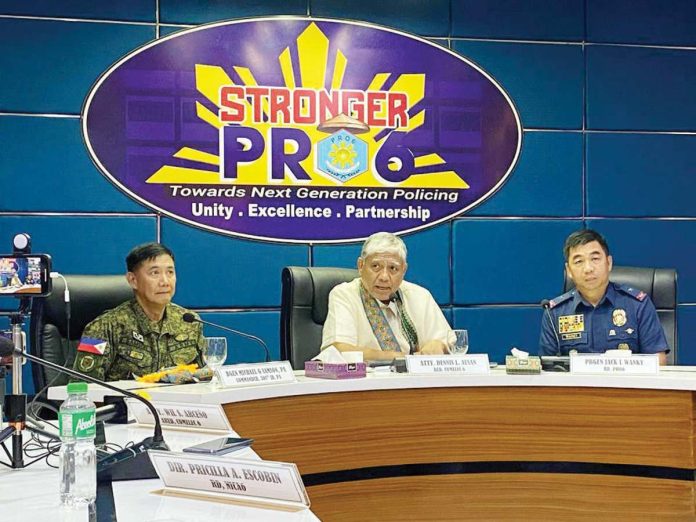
256	374
474	364
260	481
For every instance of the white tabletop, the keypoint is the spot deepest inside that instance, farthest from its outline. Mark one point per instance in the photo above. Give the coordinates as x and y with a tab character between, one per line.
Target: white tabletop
31	494
669	378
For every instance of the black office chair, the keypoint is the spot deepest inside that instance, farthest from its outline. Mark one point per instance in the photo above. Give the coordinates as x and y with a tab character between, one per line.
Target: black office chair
304	306
661	285
90	296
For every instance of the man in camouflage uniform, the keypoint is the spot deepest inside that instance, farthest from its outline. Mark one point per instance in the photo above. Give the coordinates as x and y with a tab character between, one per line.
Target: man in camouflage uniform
148	332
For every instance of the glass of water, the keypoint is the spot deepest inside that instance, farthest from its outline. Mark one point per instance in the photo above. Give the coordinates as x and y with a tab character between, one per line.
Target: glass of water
215	353
459	342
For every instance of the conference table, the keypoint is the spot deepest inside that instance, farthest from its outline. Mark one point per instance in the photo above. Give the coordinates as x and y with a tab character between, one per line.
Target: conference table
553	446
31	494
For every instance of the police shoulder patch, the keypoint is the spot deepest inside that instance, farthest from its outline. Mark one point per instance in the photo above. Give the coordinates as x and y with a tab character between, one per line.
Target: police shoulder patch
561	298
638	295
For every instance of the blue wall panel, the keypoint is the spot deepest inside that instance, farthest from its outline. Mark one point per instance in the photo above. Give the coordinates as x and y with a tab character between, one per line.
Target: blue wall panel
54	64
547	180
544	80
494	257
222	272
642	21
261	324
631	88
496	330
46	158
514	19
428	259
202	11
508	261
686	326
81	244
131	10
641	175
658	243
424	18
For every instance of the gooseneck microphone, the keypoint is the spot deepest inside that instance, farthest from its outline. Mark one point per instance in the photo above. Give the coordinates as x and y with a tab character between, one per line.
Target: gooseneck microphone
546	305
128	464
192	318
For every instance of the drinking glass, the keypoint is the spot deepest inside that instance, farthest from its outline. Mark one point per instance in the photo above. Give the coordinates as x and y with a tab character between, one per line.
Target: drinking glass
215	352
459	342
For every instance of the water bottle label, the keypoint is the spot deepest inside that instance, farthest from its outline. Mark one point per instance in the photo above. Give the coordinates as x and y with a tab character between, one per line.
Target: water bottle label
79	424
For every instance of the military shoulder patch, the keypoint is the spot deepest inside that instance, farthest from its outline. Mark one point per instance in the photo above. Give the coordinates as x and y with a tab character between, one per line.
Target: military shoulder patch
638	295
86	363
92	345
561	298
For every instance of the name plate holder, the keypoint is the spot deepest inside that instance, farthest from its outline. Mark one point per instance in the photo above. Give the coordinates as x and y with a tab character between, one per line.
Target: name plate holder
601	364
474	364
273	484
255	374
182	416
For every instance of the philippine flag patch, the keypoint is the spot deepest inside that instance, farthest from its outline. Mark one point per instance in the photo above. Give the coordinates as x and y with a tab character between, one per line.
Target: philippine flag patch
91	345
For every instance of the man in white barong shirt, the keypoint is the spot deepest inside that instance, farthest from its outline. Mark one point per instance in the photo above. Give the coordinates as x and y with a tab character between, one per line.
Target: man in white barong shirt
379	313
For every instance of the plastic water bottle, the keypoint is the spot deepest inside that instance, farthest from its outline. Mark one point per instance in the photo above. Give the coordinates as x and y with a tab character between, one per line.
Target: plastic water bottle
77	420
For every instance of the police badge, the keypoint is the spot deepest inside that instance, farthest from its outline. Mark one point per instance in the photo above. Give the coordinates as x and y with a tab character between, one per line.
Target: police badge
618	317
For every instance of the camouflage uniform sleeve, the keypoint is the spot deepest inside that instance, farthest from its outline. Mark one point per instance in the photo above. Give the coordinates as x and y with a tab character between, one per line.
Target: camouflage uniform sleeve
93	364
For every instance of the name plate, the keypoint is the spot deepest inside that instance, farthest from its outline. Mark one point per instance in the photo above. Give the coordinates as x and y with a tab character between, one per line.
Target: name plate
584	364
255	374
178	415
475	364
254	480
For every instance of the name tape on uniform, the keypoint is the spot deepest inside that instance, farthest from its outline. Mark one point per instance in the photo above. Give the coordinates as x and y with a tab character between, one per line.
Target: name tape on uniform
256	374
584	364
260	481
475	364
179	415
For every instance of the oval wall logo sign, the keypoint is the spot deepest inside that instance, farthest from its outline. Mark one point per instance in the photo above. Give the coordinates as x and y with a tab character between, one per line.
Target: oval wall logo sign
301	129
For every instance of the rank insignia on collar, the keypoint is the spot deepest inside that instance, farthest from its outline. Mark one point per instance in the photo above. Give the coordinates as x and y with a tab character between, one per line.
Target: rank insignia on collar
618	317
138	337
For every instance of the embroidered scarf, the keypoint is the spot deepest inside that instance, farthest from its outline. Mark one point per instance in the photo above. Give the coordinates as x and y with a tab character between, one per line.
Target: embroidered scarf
380	325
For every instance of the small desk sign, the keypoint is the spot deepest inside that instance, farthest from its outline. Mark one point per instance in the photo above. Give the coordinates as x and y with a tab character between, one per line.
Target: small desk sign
252	480
602	364
191	417
475	364
256	374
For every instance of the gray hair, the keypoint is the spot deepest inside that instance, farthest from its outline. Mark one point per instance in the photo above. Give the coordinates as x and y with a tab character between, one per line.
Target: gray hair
383	243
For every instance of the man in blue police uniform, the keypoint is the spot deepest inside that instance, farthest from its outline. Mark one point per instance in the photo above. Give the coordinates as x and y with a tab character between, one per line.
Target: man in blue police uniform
598	315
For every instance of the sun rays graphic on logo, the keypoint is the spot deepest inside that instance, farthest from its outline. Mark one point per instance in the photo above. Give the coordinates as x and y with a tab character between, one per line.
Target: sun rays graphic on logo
312	48
342	155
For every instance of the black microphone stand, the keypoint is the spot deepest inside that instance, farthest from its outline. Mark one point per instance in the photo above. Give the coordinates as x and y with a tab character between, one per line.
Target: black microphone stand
132	462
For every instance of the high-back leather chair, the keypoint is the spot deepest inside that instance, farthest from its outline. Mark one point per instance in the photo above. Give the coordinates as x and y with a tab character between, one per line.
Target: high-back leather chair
661	285
304	306
90	296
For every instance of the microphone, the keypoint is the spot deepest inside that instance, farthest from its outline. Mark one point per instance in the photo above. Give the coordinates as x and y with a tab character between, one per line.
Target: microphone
192	318
546	305
131	463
